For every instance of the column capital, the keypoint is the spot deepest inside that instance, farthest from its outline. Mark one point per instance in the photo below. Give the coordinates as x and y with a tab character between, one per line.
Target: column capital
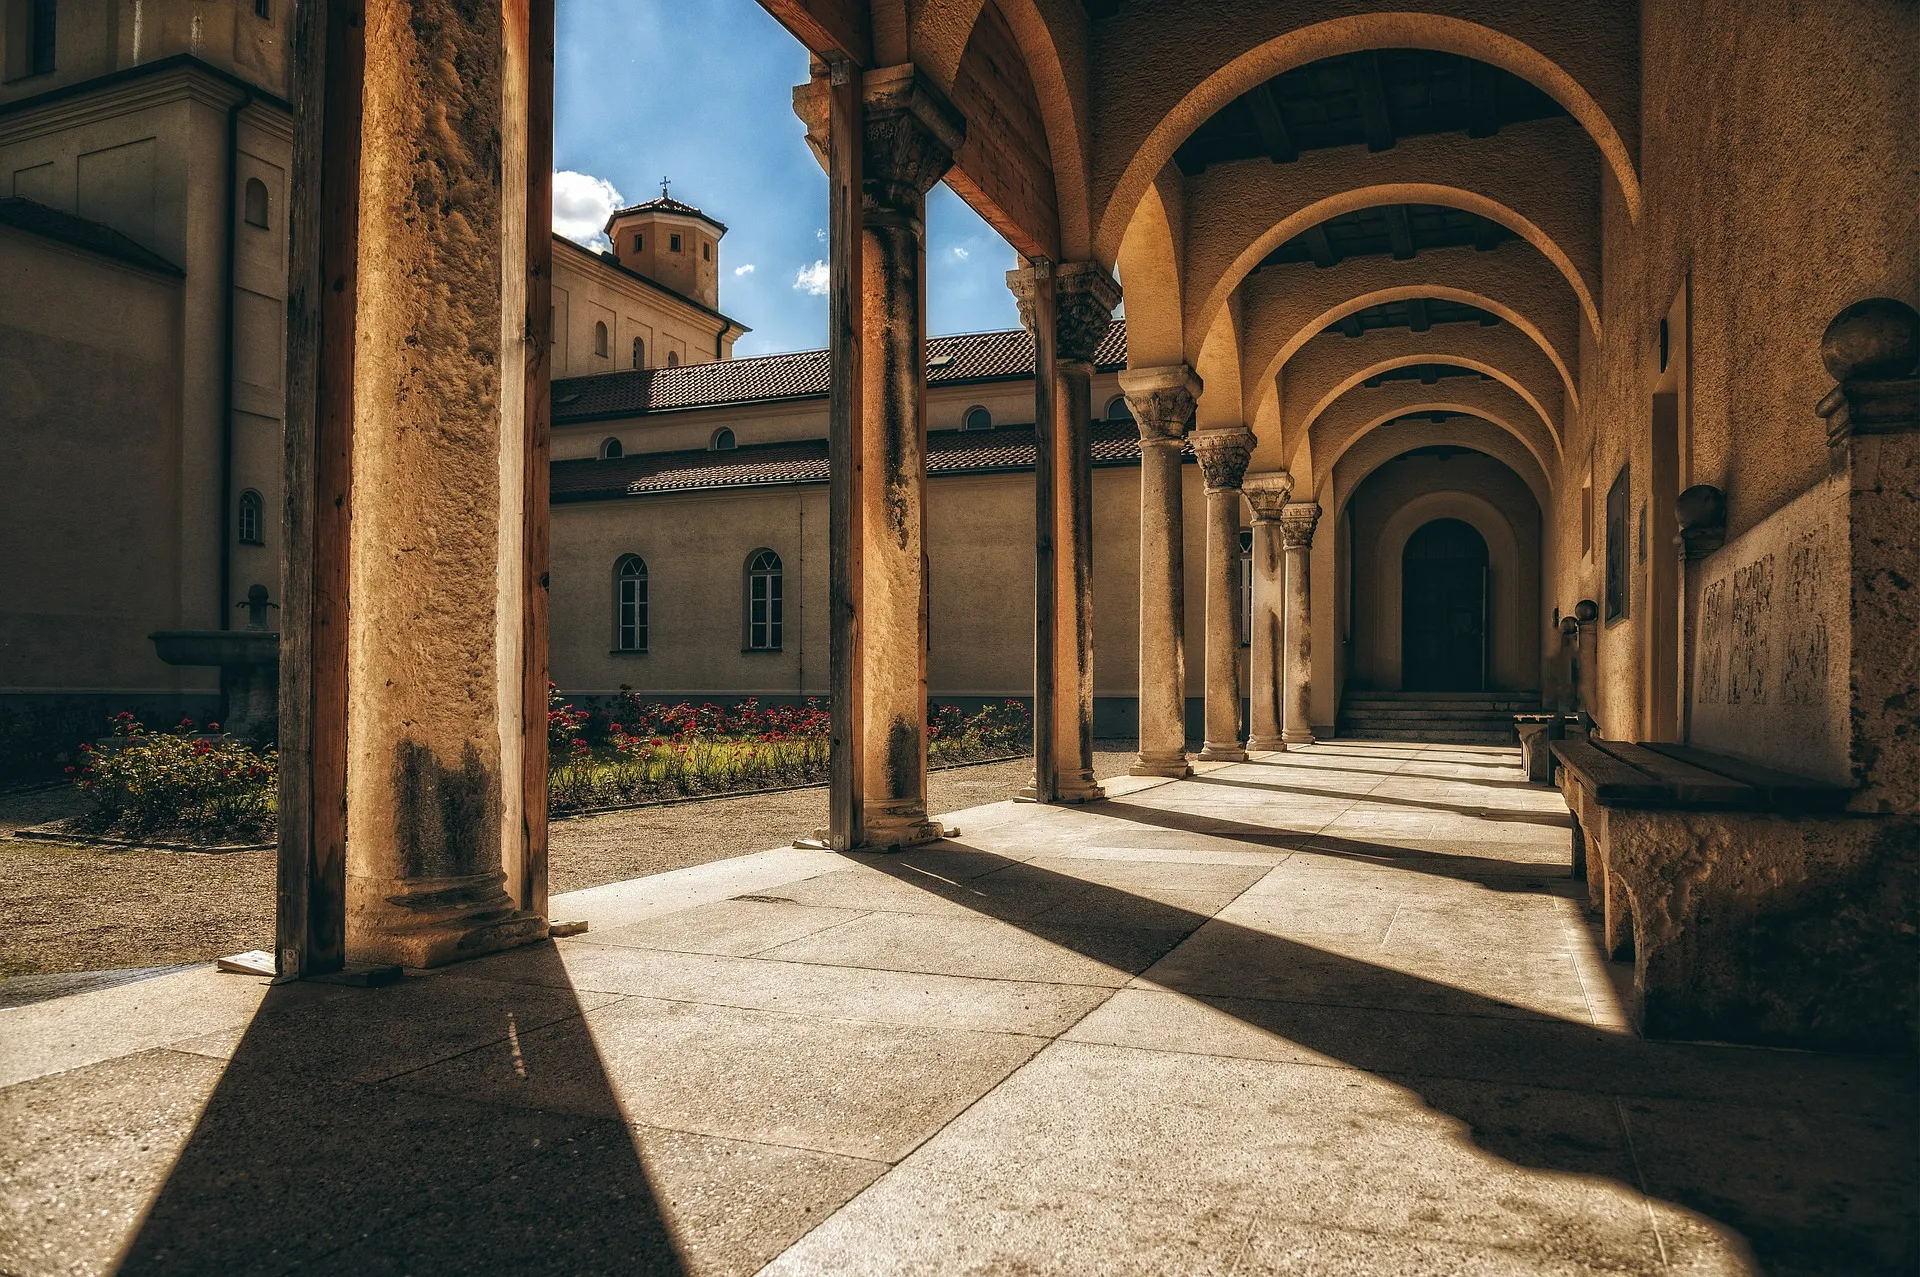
1267	492
1162	400
911	133
1083	302
1224	455
1297	520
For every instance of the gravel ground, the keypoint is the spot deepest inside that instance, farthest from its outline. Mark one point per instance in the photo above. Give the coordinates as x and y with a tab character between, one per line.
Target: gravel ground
94	909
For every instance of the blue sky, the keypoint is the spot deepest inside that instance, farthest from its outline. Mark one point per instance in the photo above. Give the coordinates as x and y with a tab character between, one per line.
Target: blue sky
700	91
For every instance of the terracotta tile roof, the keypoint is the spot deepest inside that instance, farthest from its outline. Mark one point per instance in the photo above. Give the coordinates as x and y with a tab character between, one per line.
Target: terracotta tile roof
52	223
801	375
949	452
662	204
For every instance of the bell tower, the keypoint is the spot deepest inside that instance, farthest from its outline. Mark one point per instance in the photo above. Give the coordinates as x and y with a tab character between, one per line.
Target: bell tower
671	243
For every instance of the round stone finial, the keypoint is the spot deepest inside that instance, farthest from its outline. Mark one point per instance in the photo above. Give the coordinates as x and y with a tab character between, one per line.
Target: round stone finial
1701	506
1878	337
1586	611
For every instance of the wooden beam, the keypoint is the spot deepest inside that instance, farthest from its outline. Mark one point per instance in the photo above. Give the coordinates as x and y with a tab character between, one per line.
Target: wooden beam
846	536
1417	318
1375	115
1400	231
529	889
1319	246
1483	99
830	29
1004	168
1487	236
1429	374
1350	325
1271	124
329	71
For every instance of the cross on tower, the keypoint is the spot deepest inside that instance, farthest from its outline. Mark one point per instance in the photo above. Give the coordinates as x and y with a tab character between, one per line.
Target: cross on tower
663	188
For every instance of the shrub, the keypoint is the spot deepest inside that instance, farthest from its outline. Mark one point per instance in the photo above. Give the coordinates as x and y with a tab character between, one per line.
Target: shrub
178	781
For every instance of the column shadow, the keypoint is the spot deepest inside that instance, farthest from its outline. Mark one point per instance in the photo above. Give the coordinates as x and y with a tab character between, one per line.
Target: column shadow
1703	1127
311	1155
1552	819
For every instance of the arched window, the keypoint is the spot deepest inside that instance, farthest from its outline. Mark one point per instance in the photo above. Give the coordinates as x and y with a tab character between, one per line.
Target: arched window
673	359
673	243
977	418
638	239
600	339
764	619
639	353
252	519
610	450
722	440
1117	409
630	604
706	255
256	203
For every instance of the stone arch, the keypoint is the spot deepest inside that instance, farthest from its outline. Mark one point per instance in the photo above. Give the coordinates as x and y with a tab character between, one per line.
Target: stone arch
1221	405
1155	145
1542	172
1507	645
1360	197
1392	362
1149	268
1349	420
1475	434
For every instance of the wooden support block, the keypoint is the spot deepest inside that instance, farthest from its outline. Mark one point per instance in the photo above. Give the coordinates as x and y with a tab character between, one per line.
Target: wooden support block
559	930
252	962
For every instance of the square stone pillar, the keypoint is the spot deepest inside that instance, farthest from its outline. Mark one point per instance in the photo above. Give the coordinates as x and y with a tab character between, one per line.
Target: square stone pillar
1297	521
910	135
415	470
1224	455
1074	304
1162	400
1267	493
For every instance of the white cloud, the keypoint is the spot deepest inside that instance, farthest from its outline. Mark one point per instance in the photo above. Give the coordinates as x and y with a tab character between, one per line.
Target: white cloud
821	234
744	269
581	204
812	279
960	252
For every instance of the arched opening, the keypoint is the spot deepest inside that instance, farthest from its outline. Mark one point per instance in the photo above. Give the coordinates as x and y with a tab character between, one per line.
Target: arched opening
600	339
611	449
630	604
722	440
1443	610
977	418
256	203
639	353
765	610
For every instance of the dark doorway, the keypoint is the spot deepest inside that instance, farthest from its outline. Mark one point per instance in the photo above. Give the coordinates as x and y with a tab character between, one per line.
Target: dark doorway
1443	609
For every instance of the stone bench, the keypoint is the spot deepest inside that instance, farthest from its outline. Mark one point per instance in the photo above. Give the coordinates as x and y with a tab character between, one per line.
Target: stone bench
1755	907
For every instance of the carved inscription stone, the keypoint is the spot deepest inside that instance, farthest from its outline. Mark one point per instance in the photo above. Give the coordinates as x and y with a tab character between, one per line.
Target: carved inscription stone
1805	669
1747	645
1713	641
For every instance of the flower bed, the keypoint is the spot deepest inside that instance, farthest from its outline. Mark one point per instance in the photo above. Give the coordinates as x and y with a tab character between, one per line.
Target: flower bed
187	784
648	751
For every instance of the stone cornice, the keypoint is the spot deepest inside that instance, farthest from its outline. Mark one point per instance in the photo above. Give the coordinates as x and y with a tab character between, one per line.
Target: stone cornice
1267	492
1162	400
171	80
1223	455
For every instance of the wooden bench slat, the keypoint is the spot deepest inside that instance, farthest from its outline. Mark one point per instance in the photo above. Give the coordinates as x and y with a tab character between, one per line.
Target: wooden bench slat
1780	791
1691	786
1612	782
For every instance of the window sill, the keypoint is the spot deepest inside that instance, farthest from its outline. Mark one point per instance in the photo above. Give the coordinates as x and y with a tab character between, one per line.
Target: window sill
761	651
627	651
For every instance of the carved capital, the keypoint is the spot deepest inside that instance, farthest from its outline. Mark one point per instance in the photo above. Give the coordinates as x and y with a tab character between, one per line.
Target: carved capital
1297	522
1223	455
1872	349
1083	302
1162	401
911	132
1267	493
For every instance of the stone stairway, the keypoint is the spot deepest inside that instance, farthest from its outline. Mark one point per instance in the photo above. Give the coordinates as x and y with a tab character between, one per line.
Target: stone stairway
1455	718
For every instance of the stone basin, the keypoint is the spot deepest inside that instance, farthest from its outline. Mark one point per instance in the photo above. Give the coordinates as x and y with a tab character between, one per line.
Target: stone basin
249	664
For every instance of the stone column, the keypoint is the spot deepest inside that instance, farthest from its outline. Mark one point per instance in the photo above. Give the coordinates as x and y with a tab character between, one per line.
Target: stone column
1297	521
1083	296
435	746
1162	400
911	133
1267	493
1223	460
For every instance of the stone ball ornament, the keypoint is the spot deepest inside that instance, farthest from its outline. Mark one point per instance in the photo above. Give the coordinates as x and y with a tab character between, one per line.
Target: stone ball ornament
1878	337
1586	611
1701	506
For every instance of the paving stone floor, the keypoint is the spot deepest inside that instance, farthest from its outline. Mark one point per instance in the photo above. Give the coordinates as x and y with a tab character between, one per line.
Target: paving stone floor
1337	1011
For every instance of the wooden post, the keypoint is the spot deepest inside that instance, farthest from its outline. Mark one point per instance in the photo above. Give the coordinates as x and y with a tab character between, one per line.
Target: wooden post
846	811
328	74
528	886
1041	319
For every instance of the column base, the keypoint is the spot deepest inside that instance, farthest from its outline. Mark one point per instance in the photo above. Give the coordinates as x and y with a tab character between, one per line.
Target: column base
432	922
1291	737
1266	744
896	831
1174	765
1212	753
1073	789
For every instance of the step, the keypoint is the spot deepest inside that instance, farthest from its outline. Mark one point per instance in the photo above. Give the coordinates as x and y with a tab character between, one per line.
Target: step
1522	695
1441	707
1422	711
1436	736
